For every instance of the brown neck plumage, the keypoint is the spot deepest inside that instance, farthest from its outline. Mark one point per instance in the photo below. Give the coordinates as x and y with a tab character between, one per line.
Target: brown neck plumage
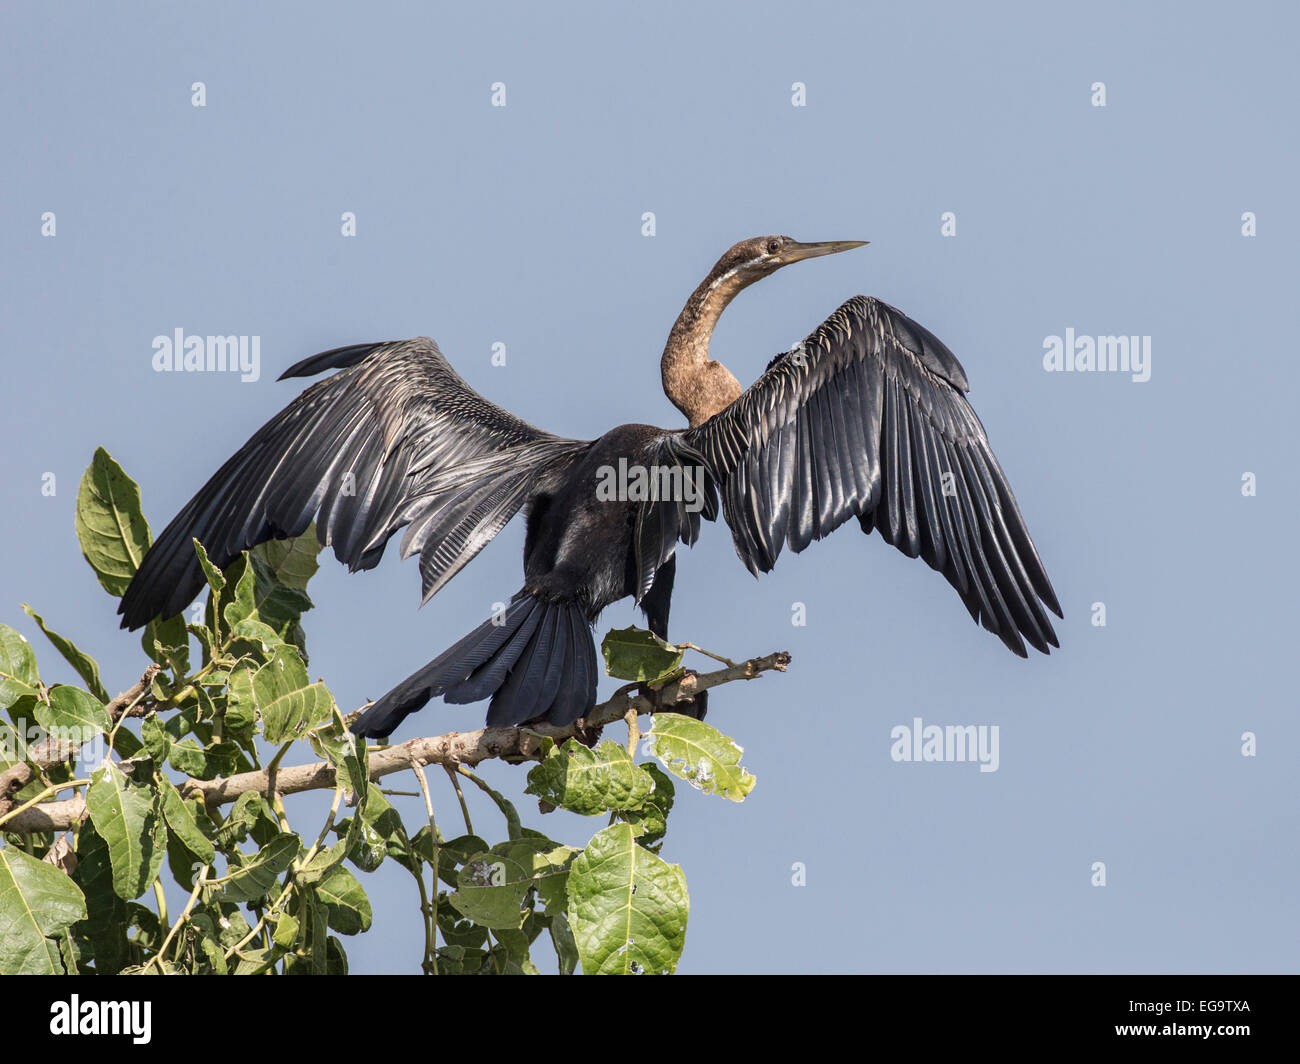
697	385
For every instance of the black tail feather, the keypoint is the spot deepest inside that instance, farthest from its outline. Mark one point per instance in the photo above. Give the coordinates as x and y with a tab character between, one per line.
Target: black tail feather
538	660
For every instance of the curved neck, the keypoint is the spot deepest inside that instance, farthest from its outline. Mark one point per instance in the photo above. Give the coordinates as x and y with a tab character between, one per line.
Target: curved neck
698	386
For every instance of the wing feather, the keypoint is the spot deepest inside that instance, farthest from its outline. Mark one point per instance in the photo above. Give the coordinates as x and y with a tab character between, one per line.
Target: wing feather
395	438
868	418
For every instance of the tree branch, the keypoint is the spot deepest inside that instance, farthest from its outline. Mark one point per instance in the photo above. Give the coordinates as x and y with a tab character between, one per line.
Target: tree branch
454	748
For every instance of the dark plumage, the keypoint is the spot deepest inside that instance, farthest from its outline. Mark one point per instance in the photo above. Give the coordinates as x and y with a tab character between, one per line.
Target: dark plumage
867	418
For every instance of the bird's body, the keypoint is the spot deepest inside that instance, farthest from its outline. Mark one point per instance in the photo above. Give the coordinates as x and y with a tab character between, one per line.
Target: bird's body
588	555
867	419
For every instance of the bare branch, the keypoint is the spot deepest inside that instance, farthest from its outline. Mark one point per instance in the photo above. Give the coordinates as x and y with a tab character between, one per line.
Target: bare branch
452	749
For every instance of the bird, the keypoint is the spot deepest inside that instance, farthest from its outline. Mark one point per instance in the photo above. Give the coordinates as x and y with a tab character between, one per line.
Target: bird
866	419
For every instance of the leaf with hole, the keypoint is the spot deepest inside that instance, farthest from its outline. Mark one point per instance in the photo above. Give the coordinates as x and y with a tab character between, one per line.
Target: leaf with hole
701	755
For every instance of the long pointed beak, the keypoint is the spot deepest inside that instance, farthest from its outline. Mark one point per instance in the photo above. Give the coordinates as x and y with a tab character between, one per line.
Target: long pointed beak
798	252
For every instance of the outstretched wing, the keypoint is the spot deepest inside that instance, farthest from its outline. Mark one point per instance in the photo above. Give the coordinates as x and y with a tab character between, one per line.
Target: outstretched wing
394	439
867	418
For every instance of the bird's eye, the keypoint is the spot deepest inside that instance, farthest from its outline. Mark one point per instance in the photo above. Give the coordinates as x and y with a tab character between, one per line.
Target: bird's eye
772	245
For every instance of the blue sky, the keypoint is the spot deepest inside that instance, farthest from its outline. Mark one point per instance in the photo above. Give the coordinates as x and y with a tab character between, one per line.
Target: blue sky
522	225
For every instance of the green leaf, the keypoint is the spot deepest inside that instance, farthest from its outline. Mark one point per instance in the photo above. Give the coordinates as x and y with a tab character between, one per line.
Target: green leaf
320	938
72	710
566	949
511	952
491	888
459	932
635	654
288	703
207	642
126	816
256	631
386	823
216	580
166	640
347	907
286	931
451	854
151	932
182	823
550	863
206	931
627	907
256	605
156	740
233	928
203	762
23	713
18	673
86	666
701	755
290	562
590	781
38	902
256	961
492	884
255	880
369	848
105	925
249	808
187	756
110	524
650	822
282	568
240	606
241	703
349	756
71	954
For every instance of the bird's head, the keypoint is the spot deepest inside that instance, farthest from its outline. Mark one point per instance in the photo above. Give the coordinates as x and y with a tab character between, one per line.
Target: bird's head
759	256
